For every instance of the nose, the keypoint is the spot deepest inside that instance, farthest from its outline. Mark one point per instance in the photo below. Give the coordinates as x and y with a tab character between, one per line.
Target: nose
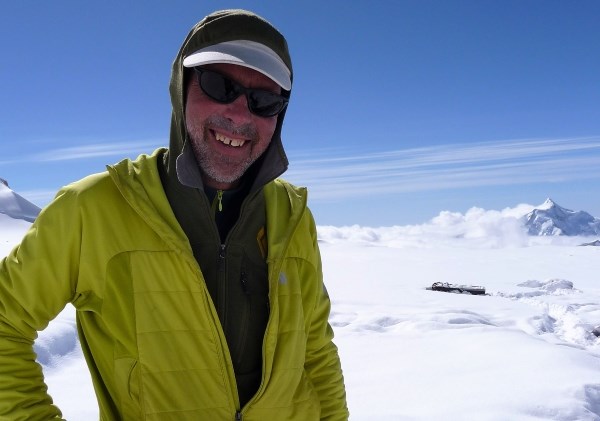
238	110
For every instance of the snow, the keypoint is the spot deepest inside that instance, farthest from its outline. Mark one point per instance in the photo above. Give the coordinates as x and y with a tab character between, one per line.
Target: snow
524	351
15	206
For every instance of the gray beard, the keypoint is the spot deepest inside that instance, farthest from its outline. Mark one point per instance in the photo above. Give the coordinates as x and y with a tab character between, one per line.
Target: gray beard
211	165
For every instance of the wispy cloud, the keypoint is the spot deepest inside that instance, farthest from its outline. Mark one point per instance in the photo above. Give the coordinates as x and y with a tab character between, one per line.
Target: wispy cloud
95	150
509	162
331	174
39	197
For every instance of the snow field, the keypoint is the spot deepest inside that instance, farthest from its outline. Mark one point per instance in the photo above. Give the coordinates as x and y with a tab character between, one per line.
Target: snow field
523	352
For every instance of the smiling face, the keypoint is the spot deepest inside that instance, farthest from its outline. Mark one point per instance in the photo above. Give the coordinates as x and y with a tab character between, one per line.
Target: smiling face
227	138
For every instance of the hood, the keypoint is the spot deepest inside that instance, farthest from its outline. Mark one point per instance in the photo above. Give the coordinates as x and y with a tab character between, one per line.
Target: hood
221	26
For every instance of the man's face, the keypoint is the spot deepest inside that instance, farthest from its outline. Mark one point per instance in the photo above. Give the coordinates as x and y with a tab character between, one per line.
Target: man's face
227	138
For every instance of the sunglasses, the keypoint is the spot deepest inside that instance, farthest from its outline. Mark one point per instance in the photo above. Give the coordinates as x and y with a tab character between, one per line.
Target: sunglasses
224	90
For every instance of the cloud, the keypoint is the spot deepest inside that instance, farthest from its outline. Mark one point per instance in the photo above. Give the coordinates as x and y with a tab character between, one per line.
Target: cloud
39	197
497	163
95	150
476	228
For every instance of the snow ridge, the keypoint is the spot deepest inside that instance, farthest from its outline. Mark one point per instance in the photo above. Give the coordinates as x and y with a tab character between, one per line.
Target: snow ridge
557	318
15	206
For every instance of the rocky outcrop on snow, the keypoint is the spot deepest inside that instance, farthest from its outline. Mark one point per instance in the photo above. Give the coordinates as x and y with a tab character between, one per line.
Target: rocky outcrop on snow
552	219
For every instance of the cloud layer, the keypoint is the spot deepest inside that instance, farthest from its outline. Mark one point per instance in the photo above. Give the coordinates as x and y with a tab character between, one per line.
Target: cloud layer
497	163
477	228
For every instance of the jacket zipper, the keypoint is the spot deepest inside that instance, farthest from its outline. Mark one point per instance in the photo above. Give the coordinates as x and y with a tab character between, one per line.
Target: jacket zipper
221	267
243	324
217	202
244	282
220	199
221	276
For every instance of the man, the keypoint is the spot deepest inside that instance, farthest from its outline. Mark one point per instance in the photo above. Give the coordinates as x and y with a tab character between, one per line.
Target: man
195	273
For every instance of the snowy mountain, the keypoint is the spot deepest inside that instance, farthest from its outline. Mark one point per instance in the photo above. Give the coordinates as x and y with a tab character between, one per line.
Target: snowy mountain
552	219
15	206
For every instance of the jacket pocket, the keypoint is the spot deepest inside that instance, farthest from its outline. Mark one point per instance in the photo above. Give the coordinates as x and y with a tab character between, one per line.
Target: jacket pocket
128	384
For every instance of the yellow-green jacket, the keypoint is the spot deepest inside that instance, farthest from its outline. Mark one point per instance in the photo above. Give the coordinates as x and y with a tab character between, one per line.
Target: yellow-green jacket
111	246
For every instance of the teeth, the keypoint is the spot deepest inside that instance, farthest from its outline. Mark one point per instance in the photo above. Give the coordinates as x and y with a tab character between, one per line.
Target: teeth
236	143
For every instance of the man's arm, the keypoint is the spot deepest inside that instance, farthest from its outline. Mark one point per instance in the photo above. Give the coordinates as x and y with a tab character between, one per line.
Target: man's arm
322	361
35	285
324	368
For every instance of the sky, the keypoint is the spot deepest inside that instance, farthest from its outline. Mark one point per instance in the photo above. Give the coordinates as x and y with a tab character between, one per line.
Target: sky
399	110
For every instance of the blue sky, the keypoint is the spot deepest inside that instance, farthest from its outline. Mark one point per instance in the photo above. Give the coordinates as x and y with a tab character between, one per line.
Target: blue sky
400	109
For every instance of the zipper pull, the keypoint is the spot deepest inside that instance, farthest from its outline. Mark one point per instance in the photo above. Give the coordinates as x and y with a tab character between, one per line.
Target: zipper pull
220	199
221	261
238	416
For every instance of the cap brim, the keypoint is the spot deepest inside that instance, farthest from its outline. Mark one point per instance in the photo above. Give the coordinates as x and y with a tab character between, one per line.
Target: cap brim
244	53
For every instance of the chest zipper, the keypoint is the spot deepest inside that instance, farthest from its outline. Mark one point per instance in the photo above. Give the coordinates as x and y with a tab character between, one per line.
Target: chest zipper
220	199
221	265
221	268
221	275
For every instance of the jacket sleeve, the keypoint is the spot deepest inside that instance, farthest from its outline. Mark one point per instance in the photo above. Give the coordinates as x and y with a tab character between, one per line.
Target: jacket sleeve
322	362
36	282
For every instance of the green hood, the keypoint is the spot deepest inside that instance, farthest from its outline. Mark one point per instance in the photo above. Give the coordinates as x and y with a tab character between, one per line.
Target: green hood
221	26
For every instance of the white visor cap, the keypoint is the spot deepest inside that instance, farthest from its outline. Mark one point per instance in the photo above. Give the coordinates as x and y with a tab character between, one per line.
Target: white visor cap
245	53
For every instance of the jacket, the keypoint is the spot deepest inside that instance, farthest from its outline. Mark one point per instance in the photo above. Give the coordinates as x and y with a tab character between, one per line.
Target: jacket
111	246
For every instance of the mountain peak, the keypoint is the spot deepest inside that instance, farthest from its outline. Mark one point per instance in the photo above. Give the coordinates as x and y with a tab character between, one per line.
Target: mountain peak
548	204
551	219
15	206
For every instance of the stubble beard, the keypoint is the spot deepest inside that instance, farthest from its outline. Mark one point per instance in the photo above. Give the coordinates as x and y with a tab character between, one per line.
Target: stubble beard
218	167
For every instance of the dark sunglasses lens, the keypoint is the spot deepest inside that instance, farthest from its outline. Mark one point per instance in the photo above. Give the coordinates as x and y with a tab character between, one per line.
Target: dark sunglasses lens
266	104
224	90
218	87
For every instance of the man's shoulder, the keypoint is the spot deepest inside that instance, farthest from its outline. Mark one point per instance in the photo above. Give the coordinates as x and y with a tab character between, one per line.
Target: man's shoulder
144	163
100	186
90	183
288	200
283	186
